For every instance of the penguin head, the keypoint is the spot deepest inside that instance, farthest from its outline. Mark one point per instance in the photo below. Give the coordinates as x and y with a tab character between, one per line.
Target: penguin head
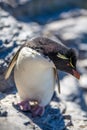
66	61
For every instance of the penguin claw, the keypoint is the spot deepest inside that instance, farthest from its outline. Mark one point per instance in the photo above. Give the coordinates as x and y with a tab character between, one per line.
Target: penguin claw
24	105
37	110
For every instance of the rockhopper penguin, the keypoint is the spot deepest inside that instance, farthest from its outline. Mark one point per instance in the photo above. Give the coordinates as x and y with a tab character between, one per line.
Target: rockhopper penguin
35	71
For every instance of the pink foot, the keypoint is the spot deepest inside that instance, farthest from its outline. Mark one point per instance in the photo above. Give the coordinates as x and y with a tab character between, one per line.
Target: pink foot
37	110
24	105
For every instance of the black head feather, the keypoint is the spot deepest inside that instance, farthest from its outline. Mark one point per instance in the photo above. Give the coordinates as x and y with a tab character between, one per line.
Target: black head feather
71	54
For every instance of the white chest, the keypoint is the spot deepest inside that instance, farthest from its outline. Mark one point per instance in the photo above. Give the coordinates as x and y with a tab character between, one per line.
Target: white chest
34	76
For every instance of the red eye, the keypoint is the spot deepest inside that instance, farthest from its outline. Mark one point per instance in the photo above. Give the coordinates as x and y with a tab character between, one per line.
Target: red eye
68	64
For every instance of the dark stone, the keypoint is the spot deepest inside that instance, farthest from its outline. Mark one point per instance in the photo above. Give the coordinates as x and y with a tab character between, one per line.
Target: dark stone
6	41
3	113
26	123
1	42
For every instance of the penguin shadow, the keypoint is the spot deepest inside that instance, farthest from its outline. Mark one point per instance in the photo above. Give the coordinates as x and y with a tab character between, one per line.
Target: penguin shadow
52	119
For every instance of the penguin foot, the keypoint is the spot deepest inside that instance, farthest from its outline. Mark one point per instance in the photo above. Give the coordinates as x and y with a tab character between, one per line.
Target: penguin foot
24	105
37	110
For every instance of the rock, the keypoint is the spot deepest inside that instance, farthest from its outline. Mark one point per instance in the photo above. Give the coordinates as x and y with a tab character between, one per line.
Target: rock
1	43
72	94
82	66
3	113
69	90
4	124
68	29
52	119
83	81
2	95
21	120
83	47
32	7
85	98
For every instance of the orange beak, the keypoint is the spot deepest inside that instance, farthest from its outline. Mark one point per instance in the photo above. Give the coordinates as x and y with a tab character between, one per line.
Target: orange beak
76	74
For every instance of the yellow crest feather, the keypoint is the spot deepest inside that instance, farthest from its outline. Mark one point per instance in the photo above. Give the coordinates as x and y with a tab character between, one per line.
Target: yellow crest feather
61	56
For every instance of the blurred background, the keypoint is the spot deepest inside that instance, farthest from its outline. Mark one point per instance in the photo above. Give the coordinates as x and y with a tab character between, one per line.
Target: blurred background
60	20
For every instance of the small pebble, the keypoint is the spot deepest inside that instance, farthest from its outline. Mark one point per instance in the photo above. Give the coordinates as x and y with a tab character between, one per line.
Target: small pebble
3	113
26	123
